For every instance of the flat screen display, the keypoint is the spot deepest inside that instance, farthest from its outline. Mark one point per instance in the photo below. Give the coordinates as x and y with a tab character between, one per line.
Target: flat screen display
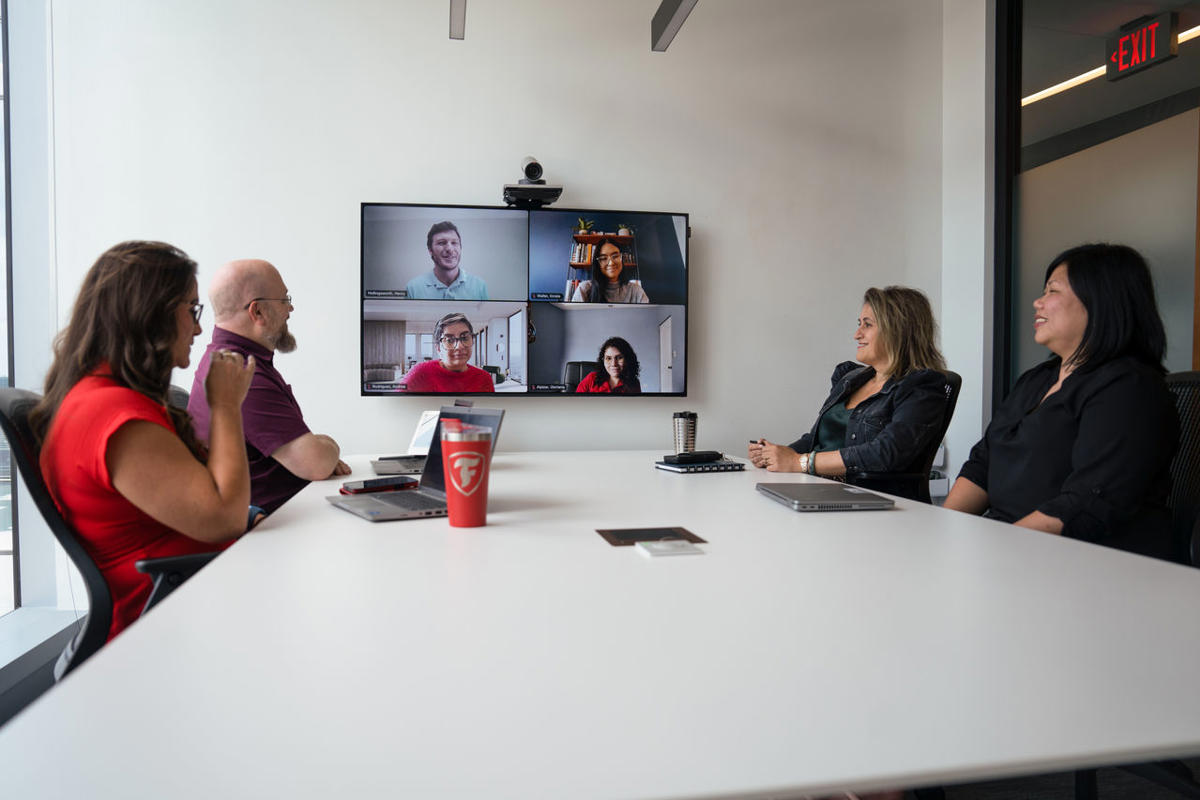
475	300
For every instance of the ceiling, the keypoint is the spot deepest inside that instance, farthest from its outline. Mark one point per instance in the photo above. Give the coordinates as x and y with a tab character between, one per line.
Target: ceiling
1064	38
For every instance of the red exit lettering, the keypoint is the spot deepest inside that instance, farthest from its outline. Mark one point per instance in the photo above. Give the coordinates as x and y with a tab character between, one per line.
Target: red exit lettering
1135	47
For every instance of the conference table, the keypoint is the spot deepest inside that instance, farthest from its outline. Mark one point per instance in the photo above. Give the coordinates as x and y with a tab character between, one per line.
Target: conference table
323	655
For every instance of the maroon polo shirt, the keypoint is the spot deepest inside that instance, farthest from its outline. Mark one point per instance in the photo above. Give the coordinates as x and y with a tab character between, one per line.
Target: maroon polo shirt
270	419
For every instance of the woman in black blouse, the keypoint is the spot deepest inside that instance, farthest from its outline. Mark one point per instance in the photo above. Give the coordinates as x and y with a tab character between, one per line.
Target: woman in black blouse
1082	445
883	413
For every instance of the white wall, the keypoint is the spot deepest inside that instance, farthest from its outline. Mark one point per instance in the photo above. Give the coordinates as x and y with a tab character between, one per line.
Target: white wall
1139	190
968	186
803	136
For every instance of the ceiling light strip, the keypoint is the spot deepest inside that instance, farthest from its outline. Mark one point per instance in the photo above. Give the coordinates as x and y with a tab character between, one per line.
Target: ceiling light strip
1189	34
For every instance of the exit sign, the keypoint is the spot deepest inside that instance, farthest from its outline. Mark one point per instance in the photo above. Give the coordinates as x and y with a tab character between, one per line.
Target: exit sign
1141	44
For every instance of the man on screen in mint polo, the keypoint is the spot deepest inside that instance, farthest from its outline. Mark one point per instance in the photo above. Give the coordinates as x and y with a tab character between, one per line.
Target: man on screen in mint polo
447	280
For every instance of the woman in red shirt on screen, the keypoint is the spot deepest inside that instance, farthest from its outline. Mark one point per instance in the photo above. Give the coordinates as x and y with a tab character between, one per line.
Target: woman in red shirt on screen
124	467
618	370
455	339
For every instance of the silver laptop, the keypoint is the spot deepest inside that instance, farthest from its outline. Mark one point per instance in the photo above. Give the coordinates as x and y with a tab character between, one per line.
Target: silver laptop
824	497
429	498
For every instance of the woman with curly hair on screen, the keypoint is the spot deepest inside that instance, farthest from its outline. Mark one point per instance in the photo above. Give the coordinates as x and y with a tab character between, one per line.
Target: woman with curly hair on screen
616	372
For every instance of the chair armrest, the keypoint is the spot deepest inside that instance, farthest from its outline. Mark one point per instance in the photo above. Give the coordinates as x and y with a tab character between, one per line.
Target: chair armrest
1196	543
913	485
170	572
887	476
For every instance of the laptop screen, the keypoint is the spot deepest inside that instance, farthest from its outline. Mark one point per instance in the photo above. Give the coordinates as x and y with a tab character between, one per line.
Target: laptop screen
433	477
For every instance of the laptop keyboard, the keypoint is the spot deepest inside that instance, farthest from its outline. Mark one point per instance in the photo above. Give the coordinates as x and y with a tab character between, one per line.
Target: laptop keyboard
411	499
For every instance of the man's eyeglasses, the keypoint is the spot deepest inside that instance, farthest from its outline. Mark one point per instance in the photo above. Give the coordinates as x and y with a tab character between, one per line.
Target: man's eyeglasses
462	340
287	298
197	309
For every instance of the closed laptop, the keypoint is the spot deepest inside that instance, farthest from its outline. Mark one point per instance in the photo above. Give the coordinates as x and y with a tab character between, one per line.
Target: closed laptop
824	497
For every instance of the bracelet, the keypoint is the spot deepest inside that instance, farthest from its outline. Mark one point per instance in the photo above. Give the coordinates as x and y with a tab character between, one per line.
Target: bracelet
804	462
811	466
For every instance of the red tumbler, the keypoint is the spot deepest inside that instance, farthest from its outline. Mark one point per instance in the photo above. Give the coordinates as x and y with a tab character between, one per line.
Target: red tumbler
466	451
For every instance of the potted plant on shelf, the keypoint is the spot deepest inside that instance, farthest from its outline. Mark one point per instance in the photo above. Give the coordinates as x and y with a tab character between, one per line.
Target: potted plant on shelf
624	229
584	226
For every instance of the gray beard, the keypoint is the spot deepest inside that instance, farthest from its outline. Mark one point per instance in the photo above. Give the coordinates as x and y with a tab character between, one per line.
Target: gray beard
286	342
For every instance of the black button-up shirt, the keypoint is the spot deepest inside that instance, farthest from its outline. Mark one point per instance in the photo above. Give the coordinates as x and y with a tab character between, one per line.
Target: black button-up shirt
1095	454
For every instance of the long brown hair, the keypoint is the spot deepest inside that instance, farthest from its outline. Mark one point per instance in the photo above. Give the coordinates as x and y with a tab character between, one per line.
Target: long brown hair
907	328
125	316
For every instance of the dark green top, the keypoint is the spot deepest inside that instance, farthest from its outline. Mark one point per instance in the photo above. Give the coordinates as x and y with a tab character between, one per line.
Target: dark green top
831	430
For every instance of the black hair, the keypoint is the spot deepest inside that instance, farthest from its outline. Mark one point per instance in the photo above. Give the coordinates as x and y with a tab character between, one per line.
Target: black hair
632	370
1114	284
600	280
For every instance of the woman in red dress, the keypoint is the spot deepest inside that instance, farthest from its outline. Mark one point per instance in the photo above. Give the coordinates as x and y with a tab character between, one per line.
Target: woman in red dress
123	466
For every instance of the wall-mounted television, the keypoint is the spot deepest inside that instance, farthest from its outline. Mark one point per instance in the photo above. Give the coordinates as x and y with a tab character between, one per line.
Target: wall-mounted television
474	300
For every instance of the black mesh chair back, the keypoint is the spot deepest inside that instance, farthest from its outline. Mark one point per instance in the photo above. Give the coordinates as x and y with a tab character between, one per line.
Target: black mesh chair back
15	405
177	397
1184	500
914	485
574	372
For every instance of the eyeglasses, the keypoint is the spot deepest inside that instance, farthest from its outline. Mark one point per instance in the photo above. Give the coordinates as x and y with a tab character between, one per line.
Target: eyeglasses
462	340
615	258
197	309
287	298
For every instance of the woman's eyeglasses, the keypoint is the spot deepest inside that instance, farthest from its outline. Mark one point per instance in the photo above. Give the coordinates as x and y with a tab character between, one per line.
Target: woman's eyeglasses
606	259
197	309
462	340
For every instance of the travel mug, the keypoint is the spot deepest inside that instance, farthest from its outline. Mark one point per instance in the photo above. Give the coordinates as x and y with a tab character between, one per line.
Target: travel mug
685	431
466	451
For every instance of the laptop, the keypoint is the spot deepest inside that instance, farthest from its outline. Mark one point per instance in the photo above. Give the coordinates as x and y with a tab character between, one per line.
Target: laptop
412	463
824	497
429	498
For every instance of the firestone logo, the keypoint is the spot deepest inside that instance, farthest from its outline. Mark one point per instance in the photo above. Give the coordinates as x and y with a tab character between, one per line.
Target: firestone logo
466	469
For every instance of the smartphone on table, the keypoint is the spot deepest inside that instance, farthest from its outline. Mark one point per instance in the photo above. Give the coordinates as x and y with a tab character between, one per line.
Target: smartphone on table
387	484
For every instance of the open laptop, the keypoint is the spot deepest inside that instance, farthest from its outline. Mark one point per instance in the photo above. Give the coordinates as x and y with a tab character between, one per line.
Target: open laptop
429	498
413	462
824	497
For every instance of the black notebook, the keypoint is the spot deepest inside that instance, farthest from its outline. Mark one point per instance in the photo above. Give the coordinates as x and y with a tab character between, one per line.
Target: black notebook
720	465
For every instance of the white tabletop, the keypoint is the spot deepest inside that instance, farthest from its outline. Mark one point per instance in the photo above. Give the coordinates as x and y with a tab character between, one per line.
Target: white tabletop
327	656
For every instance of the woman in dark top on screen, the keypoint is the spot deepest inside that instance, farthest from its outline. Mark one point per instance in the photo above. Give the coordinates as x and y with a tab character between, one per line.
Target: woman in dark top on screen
882	415
1082	445
618	370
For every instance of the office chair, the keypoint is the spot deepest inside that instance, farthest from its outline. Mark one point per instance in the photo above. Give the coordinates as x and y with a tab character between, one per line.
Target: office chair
1184	500
576	371
166	573
1184	503
177	397
913	485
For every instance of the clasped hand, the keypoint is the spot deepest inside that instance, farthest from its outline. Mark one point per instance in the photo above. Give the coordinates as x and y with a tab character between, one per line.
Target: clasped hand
228	380
774	457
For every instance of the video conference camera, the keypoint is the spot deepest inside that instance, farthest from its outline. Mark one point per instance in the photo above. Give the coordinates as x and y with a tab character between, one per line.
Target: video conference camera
530	191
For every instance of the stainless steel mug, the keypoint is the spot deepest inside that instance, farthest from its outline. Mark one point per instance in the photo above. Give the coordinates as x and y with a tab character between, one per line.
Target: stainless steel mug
685	431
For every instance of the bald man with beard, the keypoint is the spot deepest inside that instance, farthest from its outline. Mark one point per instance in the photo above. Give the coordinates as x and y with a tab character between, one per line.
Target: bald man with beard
251	305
